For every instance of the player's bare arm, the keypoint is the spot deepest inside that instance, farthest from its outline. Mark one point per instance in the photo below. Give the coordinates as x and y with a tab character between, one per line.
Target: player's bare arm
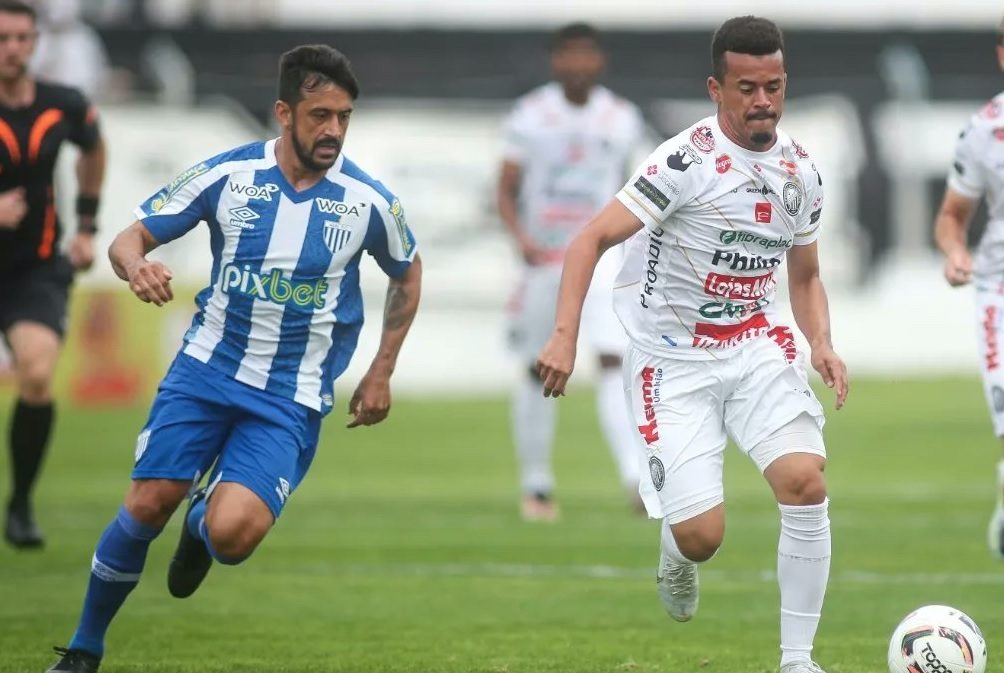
370	403
614	224
90	177
812	314
148	280
13	208
507	193
950	228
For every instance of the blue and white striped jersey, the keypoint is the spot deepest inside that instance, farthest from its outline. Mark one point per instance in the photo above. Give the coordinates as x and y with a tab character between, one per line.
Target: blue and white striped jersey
283	308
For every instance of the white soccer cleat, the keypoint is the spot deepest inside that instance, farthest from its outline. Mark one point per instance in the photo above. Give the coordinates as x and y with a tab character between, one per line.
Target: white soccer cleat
678	588
802	667
995	532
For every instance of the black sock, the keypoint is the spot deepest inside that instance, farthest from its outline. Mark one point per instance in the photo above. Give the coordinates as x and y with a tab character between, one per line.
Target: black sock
29	435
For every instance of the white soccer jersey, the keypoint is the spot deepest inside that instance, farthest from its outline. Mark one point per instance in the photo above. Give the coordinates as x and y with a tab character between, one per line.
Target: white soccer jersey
718	220
978	171
573	159
283	308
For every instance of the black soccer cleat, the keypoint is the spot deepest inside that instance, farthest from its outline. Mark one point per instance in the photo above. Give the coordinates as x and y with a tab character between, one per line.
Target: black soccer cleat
191	560
74	661
21	531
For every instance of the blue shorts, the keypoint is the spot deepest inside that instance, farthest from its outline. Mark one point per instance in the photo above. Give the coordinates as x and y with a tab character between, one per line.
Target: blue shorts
257	439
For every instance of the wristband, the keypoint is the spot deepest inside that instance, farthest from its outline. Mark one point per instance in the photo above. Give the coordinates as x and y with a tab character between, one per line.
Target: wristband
87	206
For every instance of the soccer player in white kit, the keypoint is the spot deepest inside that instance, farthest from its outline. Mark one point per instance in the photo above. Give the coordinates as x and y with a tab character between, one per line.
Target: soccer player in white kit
977	173
722	205
568	148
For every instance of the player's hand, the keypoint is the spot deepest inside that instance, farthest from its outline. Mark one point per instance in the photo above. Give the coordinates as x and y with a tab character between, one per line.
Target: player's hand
370	404
82	251
533	254
555	364
150	281
833	370
958	267
13	208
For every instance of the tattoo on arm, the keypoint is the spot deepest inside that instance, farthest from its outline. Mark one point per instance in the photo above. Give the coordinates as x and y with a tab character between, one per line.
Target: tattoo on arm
395	312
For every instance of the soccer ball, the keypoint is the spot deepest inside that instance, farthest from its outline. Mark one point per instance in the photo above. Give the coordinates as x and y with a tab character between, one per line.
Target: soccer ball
937	639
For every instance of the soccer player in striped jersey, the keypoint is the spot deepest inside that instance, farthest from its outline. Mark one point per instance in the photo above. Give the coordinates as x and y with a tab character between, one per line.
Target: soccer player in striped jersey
289	220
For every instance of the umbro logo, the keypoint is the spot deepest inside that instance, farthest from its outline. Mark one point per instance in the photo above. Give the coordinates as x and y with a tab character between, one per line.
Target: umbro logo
243	217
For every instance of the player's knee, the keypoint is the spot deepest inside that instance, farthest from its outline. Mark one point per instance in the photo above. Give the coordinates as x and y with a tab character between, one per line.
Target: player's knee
699	538
806	486
152	504
35	382
234	538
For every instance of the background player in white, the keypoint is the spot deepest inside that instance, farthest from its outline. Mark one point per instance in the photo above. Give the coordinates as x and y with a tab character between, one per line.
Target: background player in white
976	173
568	146
721	204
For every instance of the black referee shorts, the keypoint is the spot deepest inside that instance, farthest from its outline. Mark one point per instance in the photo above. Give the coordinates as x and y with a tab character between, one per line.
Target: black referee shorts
38	293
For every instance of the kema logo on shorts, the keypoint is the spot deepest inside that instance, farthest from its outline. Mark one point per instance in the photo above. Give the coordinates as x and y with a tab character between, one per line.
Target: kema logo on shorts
651	378
274	287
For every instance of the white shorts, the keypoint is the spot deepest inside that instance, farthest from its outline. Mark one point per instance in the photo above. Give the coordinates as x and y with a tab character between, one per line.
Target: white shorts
532	306
989	321
685	410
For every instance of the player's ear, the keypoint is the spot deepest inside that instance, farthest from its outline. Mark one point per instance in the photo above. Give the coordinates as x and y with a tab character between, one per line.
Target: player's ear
283	114
714	90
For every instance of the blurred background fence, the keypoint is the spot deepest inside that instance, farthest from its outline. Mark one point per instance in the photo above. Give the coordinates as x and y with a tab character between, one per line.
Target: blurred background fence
877	94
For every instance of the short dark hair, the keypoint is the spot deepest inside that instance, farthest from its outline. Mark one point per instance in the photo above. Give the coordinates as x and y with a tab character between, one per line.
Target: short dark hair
310	66
574	31
18	7
744	35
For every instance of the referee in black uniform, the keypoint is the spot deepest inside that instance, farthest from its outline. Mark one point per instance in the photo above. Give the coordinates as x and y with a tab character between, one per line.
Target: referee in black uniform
35	277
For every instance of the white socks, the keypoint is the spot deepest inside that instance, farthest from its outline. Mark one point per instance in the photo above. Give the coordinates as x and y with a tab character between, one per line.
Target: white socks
533	420
669	546
621	435
803	567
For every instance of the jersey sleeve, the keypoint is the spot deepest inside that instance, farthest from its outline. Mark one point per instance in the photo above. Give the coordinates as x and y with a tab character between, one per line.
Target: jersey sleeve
389	239
808	222
516	141
180	205
967	176
83	120
664	182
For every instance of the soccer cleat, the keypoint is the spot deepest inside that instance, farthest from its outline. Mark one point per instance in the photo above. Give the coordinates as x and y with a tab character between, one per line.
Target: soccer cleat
678	588
802	667
539	508
191	560
74	661
21	531
995	532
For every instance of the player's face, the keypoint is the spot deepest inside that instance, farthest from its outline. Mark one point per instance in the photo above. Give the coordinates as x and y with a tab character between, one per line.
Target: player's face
751	98
17	42
316	126
577	64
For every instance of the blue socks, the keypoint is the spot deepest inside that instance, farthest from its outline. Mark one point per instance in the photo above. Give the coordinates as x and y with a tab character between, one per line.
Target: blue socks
115	570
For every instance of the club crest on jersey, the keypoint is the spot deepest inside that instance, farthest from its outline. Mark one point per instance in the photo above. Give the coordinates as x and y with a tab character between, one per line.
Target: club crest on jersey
703	139
336	234
792	197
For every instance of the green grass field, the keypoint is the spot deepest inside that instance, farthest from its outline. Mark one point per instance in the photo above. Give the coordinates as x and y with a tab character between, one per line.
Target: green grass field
403	551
